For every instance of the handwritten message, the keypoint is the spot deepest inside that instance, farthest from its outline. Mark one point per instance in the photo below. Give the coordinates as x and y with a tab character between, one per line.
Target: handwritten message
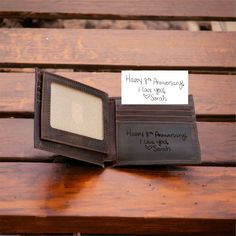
154	87
156	141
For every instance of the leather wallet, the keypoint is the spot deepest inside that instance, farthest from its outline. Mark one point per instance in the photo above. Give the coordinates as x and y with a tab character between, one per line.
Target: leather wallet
81	122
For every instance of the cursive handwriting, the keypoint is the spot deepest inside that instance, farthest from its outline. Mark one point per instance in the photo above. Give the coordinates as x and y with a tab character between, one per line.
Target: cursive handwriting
154	140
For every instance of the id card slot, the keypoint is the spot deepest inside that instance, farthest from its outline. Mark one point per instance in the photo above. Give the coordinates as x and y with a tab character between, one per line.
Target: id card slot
153	107
156	118
154	113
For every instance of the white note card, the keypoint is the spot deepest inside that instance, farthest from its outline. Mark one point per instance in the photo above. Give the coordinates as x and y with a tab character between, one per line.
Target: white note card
154	87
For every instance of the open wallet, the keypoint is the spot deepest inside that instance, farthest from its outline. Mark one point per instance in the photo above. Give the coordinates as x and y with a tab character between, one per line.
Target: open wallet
81	122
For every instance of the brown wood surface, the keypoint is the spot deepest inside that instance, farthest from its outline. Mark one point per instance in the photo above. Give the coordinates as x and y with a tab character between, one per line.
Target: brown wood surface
17	142
117	49
217	142
213	94
121	9
50	197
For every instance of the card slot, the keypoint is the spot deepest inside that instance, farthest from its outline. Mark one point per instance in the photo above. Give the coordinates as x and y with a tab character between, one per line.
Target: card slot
155	116
153	108
155	119
156	113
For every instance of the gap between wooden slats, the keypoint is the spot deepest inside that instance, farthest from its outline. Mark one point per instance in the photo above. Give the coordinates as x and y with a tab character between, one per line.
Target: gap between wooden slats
121	9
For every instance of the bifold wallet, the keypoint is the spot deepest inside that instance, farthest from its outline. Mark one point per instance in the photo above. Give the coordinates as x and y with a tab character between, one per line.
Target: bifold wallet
81	122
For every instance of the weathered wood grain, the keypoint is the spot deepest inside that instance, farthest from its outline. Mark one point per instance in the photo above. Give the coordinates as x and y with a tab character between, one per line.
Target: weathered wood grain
213	94
17	142
59	198
117	49
132	9
217	142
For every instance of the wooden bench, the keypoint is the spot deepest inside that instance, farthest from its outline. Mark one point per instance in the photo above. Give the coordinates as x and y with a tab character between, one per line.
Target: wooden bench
38	195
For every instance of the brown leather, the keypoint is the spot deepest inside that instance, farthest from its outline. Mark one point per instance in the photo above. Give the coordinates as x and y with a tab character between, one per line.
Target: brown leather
53	146
134	134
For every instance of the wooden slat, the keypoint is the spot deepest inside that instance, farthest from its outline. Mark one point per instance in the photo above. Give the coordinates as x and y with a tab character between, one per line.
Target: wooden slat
217	142
57	198
17	142
16	138
117	49
213	94
121	9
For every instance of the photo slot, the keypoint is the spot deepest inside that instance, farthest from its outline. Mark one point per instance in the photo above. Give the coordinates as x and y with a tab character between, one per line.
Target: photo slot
76	112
